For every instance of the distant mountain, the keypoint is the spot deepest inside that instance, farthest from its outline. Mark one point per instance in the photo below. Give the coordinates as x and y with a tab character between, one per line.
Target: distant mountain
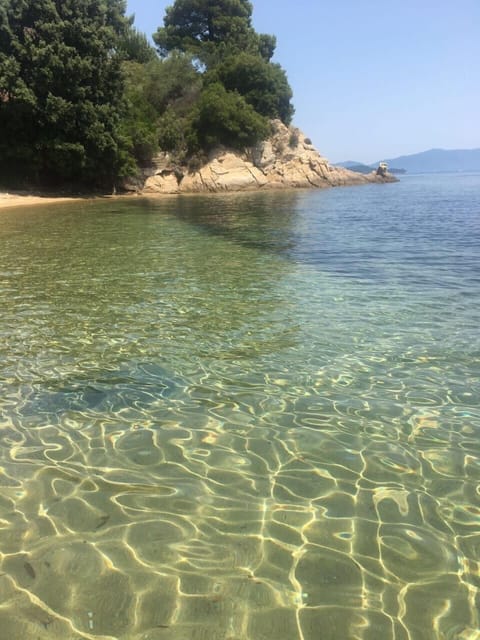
348	164
359	167
437	160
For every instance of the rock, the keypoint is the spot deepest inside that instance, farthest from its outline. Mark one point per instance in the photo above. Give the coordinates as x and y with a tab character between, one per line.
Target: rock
382	169
286	160
165	181
226	171
289	159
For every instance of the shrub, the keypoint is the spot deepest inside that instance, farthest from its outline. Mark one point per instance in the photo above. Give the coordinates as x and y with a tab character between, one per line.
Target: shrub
264	85
170	131
293	140
223	117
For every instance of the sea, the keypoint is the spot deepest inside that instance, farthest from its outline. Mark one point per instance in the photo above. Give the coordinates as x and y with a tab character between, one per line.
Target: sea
243	416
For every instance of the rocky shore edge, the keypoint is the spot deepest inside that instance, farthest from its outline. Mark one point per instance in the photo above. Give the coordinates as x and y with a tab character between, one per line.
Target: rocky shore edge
287	160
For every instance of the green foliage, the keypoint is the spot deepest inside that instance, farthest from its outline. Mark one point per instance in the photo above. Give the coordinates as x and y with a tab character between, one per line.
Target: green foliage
263	85
61	90
160	96
293	140
134	46
171	132
241	86
211	29
224	117
198	26
85	99
173	81
138	125
266	46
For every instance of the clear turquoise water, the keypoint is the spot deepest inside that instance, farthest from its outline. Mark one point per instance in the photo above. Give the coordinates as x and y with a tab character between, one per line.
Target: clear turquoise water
243	417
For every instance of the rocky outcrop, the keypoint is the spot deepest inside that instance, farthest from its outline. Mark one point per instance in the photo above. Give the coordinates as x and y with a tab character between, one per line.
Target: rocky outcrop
226	171
286	160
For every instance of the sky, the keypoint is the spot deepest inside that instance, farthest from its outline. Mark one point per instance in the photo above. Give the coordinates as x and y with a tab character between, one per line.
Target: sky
372	79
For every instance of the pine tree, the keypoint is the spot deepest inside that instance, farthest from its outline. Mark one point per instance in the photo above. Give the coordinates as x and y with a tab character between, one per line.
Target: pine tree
242	87
209	29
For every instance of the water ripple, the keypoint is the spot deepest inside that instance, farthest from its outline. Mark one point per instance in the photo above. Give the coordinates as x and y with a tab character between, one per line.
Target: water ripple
240	417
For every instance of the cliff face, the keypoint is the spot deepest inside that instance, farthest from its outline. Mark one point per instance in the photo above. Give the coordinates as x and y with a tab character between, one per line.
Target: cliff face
286	160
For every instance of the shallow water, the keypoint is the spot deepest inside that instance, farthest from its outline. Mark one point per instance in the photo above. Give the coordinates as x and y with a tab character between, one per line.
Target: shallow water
243	417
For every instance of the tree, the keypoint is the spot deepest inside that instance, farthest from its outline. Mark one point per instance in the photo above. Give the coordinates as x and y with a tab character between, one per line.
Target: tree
139	122
159	97
241	86
264	85
134	45
208	29
172	82
223	117
61	90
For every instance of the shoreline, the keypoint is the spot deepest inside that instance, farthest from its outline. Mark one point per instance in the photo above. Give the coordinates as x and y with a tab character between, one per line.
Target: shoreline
11	200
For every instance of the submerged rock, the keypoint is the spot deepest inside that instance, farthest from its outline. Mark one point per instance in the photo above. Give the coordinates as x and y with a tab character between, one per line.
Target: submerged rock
286	160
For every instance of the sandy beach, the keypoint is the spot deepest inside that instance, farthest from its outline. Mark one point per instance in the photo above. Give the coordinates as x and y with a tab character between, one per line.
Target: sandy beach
8	200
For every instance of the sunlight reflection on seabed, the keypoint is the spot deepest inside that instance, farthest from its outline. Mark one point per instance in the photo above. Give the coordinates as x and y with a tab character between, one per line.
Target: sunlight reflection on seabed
205	440
233	528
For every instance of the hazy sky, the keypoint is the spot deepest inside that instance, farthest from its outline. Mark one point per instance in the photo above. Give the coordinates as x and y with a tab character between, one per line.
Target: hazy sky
372	79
